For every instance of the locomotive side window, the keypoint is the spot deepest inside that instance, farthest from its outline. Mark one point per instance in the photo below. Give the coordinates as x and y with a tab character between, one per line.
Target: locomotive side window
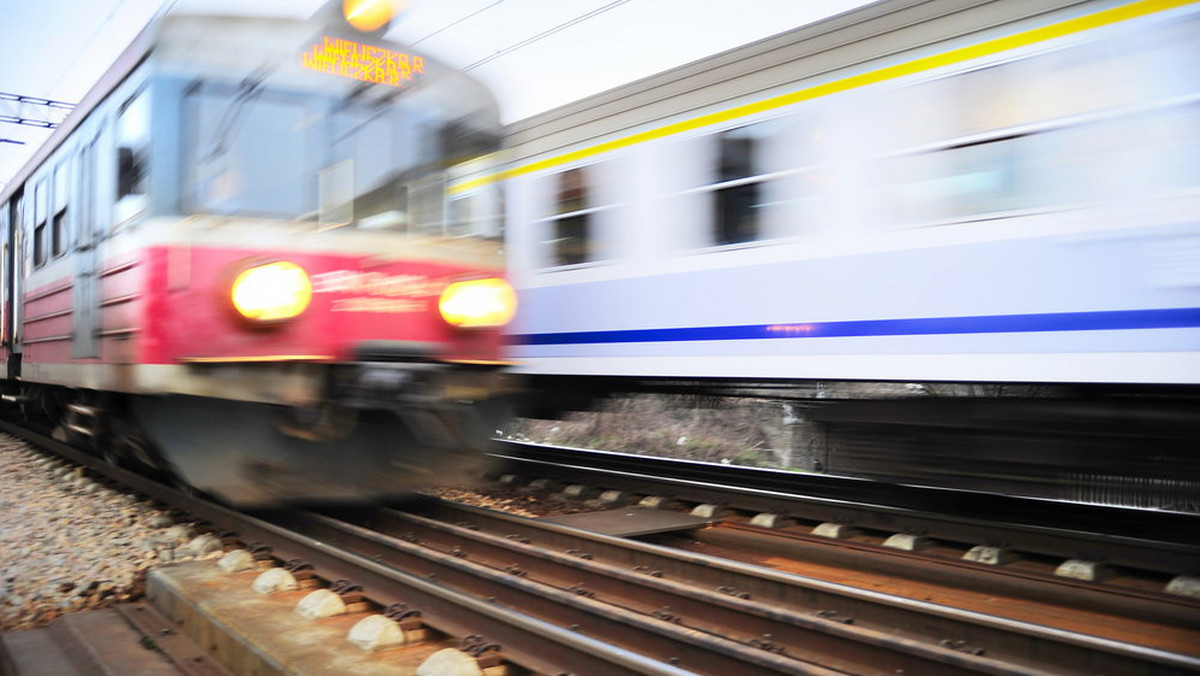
466	217
59	220
22	223
571	228
478	214
39	224
86	208
133	151
426	204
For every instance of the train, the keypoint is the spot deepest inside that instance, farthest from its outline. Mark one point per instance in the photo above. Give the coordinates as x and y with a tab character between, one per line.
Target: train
917	193
236	264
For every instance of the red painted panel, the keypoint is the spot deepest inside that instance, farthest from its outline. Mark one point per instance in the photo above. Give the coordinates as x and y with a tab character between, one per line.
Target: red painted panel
149	316
355	299
122	296
47	322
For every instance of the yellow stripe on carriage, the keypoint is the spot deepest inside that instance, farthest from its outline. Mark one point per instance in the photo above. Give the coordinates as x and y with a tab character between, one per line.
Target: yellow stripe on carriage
1099	19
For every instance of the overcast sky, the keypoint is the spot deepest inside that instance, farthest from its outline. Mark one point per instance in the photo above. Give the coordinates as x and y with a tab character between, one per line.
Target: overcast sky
536	54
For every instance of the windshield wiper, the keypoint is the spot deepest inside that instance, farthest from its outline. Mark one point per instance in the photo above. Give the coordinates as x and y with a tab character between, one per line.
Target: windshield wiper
248	90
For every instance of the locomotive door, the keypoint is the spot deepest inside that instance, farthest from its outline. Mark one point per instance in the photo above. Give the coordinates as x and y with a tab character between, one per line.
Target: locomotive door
84	315
9	221
14	272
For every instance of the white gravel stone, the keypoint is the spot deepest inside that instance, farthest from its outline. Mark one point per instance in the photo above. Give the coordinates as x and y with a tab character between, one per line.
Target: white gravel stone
275	580
449	662
376	632
320	603
202	545
237	561
63	547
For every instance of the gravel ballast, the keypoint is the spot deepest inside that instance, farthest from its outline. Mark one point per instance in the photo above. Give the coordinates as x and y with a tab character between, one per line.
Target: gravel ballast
68	543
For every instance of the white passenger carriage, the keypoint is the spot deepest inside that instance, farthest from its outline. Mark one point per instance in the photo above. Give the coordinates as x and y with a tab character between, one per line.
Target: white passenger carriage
914	191
917	194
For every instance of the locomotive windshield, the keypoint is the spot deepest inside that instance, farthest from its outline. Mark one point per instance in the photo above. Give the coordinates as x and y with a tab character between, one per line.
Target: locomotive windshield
279	141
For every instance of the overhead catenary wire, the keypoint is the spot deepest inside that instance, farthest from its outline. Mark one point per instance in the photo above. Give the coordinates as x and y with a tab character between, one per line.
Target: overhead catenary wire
14	109
546	33
456	22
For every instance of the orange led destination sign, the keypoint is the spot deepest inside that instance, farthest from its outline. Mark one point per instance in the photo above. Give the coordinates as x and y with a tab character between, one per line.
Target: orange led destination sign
347	58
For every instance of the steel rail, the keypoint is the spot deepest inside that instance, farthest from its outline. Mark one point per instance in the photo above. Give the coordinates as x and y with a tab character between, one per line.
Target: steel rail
796	618
1151	540
738	636
660	641
1002	637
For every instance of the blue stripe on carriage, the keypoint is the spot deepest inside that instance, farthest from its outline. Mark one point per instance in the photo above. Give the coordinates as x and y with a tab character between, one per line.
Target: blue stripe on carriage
1167	318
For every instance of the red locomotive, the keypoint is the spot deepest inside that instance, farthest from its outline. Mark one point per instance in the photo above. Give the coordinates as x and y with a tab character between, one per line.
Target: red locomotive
240	263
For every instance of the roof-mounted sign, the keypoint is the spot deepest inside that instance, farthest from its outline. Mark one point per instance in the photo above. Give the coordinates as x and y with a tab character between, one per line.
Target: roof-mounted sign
358	61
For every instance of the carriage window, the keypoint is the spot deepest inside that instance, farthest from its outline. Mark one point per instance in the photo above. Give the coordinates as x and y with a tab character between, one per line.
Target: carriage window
571	227
738	189
962	181
766	180
1047	130
59	221
39	224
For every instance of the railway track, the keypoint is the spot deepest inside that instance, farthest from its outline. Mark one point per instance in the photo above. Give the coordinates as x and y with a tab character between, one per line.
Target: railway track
1086	540
770	621
435	582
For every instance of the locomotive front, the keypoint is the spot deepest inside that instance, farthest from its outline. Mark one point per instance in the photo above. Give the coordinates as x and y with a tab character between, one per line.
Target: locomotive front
320	318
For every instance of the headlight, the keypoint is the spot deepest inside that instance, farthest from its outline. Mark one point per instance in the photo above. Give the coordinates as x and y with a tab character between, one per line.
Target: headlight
272	292
478	303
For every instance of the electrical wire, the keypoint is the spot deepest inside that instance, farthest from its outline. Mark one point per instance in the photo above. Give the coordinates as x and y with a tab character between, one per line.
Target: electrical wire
546	33
454	23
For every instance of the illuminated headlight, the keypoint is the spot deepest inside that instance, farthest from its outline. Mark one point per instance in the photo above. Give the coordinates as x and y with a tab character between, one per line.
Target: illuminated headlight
272	292
478	303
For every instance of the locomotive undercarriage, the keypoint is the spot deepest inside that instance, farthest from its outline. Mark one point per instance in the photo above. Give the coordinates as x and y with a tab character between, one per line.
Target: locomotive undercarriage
99	422
375	431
